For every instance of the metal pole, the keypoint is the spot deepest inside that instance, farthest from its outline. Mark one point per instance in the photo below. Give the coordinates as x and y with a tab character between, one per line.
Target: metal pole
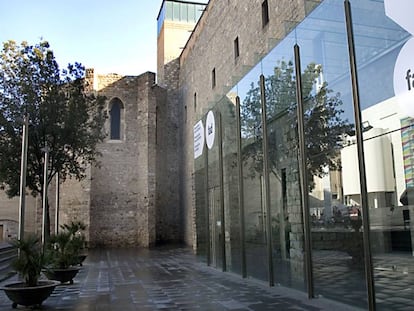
369	274
57	204
241	190
207	207
303	175
23	167
222	213
266	181
44	220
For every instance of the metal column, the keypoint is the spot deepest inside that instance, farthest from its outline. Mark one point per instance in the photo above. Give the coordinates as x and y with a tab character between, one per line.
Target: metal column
221	174
304	187
207	207
23	168
361	161
241	190
57	204
266	181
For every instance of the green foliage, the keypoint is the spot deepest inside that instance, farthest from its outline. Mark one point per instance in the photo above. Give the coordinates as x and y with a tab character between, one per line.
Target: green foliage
74	227
323	122
30	262
61	114
65	247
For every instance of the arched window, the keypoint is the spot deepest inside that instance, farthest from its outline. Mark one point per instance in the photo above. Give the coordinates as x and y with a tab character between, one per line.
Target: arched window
115	118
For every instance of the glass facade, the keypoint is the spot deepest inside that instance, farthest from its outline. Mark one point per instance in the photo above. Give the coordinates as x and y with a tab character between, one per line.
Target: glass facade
250	215
180	11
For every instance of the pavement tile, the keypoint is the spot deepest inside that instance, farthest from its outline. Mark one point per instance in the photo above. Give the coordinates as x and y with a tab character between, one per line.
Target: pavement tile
171	279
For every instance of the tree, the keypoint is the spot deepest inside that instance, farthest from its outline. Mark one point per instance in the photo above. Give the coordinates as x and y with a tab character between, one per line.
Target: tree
323	122
61	114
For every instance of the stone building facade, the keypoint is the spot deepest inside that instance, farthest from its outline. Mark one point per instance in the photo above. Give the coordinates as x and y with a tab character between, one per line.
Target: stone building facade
155	186
122	201
143	191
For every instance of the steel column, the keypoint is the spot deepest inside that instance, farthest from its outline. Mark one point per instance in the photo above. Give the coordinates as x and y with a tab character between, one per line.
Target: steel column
221	176
241	190
361	160
266	180
304	186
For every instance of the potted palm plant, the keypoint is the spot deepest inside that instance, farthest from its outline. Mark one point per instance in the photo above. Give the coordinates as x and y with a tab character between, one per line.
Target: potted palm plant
62	253
29	263
76	229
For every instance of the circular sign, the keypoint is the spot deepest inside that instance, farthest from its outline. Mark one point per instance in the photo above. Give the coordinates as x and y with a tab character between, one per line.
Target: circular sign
210	129
404	78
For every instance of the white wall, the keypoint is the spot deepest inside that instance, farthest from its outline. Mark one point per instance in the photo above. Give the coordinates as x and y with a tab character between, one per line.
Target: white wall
379	161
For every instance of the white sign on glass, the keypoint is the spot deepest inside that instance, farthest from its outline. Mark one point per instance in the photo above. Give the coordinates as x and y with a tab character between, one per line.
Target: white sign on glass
210	129
198	139
404	66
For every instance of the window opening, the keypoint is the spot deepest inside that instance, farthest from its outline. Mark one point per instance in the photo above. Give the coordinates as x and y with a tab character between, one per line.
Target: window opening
265	13
115	119
236	48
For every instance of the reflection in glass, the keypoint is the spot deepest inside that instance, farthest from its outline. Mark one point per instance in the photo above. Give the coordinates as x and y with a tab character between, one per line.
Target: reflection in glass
252	158
388	146
332	163
336	226
227	109
200	207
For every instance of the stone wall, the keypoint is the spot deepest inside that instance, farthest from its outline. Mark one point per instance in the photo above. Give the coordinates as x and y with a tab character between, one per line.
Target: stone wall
131	198
122	209
9	212
74	202
169	216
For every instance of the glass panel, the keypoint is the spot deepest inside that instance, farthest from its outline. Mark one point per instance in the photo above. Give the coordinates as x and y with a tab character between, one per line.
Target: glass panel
200	198
252	155
176	11
388	145
227	108
169	10
183	12
286	211
337	247
216	238
192	13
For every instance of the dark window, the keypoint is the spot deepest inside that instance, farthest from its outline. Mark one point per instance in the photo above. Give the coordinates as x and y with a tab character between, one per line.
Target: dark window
156	124
213	78
265	13
185	117
115	118
236	48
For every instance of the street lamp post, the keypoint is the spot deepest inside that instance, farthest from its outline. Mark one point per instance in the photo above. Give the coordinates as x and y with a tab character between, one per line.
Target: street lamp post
44	221
57	205
23	166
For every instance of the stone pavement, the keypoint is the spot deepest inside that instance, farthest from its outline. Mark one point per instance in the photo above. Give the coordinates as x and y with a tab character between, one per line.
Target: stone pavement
167	279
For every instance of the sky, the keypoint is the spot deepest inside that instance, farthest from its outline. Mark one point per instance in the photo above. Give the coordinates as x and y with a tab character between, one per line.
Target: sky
111	36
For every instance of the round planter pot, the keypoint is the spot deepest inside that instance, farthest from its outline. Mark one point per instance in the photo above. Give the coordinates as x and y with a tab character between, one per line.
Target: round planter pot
81	259
62	275
20	294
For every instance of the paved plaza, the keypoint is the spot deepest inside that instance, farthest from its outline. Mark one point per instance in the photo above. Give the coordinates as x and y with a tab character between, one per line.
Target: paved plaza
167	279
